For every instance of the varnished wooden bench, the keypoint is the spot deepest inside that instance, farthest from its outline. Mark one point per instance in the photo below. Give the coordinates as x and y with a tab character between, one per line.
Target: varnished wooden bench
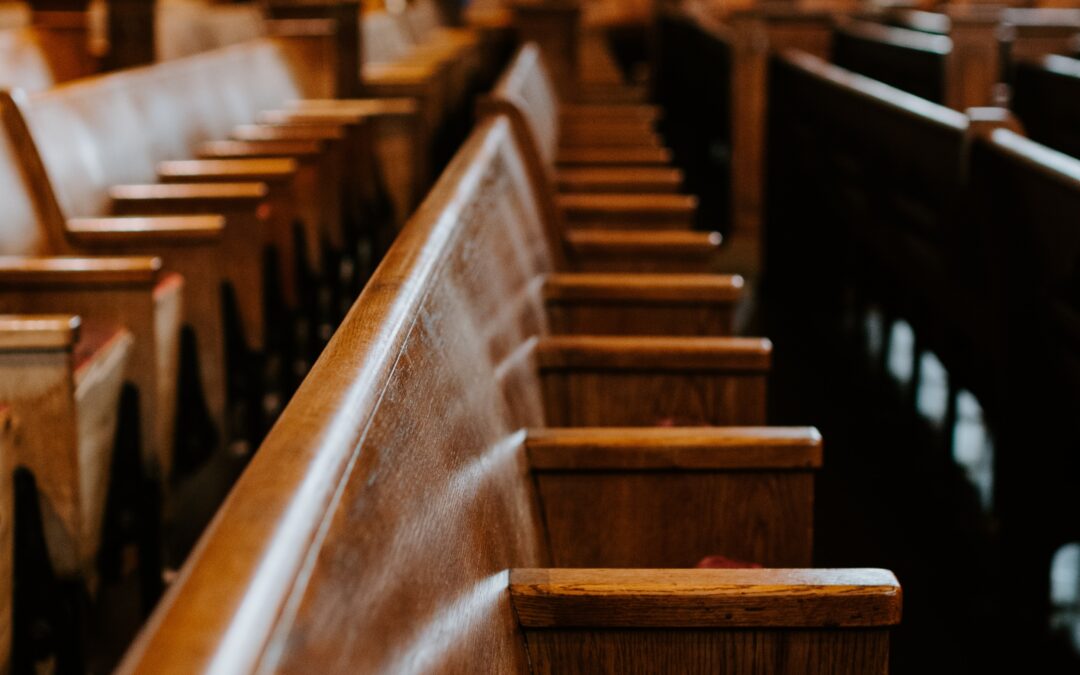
1045	99
64	388
906	59
416	492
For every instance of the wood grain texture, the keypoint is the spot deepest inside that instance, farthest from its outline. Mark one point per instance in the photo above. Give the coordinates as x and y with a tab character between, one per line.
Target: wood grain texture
678	448
742	598
718	652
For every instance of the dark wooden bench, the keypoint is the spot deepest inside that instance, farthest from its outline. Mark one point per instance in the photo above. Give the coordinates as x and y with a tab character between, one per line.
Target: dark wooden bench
1046	99
906	59
407	509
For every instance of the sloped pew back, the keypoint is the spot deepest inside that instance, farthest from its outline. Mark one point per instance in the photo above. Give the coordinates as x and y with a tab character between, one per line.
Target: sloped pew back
1046	98
906	59
378	528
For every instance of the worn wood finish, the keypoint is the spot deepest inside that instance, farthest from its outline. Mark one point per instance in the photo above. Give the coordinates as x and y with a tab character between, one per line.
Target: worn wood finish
626	497
65	390
403	449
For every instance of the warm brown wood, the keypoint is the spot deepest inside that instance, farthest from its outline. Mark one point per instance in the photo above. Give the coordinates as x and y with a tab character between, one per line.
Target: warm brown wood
145	230
275	170
644	250
655	353
641	304
679	448
57	271
404	449
619	179
735	652
752	598
624	497
628	211
259	149
617	156
65	394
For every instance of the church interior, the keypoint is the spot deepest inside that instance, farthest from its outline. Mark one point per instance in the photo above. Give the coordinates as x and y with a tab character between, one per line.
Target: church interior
540	336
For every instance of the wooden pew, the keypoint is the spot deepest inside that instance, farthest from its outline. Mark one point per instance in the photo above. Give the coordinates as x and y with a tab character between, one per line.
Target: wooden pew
408	447
62	380
525	94
875	174
1023	205
906	59
1046	98
137	292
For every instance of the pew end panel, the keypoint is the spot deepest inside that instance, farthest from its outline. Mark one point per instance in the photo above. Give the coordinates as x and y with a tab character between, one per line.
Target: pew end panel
245	237
653	381
784	621
193	247
62	378
131	292
641	304
682	251
628	211
639	497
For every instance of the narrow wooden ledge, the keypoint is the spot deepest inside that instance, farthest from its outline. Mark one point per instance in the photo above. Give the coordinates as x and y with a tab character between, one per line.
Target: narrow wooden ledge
247	194
38	332
647	112
23	272
136	230
295	132
257	149
593	241
693	598
591	352
228	170
594	179
663	288
660	203
678	448
367	107
614	155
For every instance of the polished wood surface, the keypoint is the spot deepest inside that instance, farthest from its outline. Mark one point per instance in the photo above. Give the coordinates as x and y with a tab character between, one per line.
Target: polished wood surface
405	449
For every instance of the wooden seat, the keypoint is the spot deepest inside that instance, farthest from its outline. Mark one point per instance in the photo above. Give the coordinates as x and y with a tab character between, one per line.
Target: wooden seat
62	380
414	444
136	291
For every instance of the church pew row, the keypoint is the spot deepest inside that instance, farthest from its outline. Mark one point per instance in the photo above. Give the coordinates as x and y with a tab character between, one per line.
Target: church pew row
428	442
923	208
1045	99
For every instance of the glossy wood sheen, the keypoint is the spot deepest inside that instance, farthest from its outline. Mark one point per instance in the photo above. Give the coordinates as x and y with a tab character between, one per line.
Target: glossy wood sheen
374	529
58	271
717	598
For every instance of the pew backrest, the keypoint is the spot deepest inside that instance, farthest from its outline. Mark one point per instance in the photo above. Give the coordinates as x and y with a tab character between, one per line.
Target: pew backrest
527	87
1046	99
388	500
906	59
23	61
115	129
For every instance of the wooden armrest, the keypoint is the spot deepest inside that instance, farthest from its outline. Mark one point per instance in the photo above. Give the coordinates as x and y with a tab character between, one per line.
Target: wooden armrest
259	170
666	288
696	354
629	242
218	195
365	107
52	271
676	598
139	230
573	111
614	156
258	149
298	132
683	448
619	179
38	332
